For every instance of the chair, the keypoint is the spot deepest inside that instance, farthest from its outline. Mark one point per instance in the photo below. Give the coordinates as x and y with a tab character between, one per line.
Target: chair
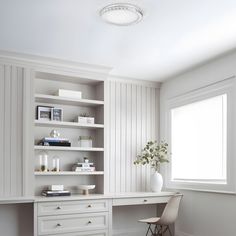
167	218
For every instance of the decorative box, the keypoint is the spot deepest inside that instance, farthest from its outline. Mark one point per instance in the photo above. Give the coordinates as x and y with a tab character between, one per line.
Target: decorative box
85	141
86	120
69	93
90	120
82	120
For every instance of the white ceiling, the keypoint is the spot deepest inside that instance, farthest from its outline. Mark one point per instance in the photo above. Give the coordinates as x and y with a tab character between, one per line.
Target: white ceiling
173	36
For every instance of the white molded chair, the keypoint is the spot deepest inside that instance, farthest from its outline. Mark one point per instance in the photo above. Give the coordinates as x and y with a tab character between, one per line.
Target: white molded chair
167	218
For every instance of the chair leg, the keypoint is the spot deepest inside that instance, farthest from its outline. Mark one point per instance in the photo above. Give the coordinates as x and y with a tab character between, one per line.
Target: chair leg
169	230
148	230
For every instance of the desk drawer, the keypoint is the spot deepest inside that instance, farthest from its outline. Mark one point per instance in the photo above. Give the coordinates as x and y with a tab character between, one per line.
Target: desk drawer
71	207
72	223
139	200
88	233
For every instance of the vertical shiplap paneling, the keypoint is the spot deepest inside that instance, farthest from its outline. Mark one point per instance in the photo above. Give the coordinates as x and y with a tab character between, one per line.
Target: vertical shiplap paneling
19	158
139	135
2	138
118	137
11	90
112	136
133	120
133	136
128	127
123	136
13	130
7	131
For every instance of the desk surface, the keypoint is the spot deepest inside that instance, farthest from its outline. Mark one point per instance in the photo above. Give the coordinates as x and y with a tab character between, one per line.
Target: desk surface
84	197
104	196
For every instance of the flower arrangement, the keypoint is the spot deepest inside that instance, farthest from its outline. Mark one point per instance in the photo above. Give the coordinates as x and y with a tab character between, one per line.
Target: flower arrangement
154	153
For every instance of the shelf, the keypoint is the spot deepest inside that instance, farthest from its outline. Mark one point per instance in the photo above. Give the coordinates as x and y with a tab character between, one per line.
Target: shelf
37	173
66	101
63	124
56	148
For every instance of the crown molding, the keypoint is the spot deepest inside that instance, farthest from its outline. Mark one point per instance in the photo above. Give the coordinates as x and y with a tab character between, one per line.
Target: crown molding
123	79
53	65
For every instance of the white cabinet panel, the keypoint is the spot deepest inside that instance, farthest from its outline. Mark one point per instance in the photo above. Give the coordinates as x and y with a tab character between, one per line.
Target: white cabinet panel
72	207
72	223
13	85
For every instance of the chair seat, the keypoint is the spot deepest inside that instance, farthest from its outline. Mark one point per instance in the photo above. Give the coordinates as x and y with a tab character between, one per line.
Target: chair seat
152	220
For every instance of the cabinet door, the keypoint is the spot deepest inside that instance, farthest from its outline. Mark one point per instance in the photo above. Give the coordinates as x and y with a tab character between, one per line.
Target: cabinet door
15	116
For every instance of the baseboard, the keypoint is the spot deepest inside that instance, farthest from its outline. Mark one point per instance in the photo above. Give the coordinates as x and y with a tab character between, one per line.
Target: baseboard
128	232
135	232
179	233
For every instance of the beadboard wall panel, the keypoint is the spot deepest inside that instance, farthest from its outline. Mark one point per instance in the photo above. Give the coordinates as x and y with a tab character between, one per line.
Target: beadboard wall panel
12	123
132	113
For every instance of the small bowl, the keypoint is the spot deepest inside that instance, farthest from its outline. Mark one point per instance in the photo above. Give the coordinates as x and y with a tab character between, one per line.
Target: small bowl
86	188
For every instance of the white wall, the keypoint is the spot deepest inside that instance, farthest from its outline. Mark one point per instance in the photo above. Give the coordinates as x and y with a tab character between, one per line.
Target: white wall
203	214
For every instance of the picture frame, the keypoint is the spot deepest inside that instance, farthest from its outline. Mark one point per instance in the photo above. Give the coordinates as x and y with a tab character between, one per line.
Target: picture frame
44	113
57	114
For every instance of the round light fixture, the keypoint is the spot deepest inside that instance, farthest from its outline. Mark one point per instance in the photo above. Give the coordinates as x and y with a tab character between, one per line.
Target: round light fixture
121	14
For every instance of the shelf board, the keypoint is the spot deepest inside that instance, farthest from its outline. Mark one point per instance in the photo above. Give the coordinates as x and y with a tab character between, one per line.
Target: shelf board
50	173
56	148
66	101
64	124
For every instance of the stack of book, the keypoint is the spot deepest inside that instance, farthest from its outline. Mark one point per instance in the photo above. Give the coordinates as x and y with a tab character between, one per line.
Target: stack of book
49	141
55	193
83	167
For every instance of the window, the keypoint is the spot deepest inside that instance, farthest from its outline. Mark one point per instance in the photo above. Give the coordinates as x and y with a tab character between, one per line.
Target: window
198	137
199	132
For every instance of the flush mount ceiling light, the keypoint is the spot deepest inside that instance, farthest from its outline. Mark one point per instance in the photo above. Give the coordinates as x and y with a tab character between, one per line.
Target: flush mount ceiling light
121	14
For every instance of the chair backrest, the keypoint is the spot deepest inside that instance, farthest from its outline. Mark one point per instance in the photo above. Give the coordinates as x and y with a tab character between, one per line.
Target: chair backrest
170	212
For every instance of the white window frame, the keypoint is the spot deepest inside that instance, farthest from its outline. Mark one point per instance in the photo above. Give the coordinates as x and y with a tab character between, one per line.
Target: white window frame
224	87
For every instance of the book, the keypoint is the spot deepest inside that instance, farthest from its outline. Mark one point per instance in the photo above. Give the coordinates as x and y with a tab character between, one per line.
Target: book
60	144
51	139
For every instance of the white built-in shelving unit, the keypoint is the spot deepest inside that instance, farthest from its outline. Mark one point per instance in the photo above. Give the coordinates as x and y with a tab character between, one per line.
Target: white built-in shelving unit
46	86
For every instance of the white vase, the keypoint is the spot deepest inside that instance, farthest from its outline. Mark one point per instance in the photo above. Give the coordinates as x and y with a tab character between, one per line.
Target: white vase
156	182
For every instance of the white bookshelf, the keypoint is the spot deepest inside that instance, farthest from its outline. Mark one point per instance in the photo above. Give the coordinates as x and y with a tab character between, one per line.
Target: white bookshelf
63	124
56	148
92	103
70	173
43	98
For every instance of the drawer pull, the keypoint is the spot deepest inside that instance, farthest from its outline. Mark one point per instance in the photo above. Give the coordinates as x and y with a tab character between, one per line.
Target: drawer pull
58	208
89	206
90	222
58	225
145	200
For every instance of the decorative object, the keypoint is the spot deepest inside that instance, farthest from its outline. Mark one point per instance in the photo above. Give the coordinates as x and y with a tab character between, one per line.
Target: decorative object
85	141
121	14
86	188
154	154
44	113
43	161
54	134
69	93
84	118
56	164
57	114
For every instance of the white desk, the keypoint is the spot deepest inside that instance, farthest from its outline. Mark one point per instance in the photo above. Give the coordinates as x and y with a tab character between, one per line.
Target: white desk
85	215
